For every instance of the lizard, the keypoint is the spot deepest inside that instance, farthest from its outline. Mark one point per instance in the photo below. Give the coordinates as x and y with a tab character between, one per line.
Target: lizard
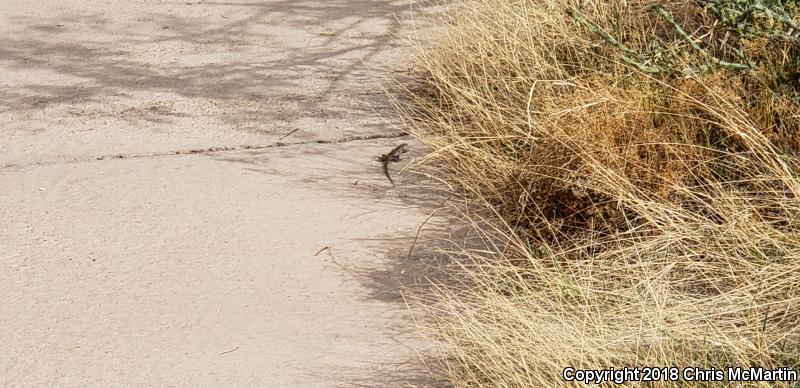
392	156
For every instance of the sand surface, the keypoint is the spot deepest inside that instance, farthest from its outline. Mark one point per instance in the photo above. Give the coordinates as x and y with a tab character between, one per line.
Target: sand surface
168	217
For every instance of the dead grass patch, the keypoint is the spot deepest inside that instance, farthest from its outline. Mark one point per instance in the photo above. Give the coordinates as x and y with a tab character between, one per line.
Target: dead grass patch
643	178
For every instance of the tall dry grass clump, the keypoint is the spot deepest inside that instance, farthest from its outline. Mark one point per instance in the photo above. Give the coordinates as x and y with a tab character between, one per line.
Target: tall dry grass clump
638	160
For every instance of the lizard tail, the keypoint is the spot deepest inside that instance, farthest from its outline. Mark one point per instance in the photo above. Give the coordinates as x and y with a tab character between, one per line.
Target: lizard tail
386	172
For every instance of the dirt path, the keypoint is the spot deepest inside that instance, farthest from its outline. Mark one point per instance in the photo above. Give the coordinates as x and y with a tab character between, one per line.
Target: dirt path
197	259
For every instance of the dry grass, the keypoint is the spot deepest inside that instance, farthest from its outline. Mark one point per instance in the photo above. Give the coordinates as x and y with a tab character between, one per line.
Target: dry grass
646	218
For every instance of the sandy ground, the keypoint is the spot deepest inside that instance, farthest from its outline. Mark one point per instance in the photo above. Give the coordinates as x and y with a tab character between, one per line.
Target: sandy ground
128	260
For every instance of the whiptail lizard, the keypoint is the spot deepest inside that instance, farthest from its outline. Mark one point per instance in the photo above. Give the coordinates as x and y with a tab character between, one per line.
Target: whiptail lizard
392	156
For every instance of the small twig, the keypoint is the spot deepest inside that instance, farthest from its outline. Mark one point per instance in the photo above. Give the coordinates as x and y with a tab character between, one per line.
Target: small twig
11	257
229	351
419	229
287	135
321	250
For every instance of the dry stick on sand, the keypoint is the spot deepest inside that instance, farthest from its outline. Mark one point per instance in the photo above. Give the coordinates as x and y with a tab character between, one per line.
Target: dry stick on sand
229	351
287	135
419	229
